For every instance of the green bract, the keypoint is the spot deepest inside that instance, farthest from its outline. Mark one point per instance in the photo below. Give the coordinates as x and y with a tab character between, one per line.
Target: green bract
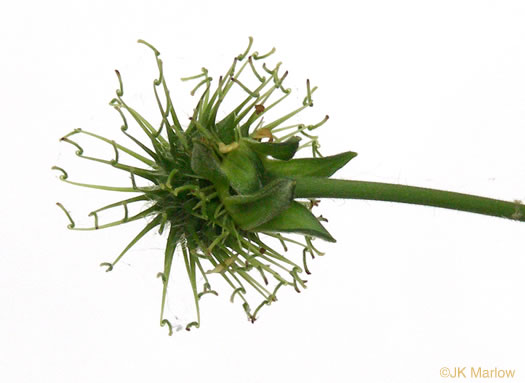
221	186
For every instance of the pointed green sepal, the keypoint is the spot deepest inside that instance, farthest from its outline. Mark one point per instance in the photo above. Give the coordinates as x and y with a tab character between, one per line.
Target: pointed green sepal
244	169
297	219
308	167
206	164
250	211
226	128
281	150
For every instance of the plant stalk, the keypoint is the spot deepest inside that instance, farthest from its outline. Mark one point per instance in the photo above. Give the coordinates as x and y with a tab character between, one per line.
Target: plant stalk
314	187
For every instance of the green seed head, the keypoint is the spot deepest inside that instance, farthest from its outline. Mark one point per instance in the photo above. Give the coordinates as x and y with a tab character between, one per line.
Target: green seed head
220	187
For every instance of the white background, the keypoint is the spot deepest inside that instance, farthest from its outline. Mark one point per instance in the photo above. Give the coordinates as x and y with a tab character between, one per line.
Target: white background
429	93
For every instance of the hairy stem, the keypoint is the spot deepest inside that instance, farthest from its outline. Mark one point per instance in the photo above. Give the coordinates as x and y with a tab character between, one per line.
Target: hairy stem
313	187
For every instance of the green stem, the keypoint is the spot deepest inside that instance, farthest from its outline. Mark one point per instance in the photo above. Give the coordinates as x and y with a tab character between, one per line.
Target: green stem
313	187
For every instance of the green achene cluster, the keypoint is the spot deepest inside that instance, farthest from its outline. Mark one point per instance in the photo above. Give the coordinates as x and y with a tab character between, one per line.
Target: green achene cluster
220	187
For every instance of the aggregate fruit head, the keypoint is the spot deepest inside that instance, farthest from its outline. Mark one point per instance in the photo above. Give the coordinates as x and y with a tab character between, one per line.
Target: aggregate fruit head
220	186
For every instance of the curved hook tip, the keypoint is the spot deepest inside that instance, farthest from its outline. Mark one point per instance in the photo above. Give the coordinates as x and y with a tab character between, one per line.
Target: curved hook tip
108	265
